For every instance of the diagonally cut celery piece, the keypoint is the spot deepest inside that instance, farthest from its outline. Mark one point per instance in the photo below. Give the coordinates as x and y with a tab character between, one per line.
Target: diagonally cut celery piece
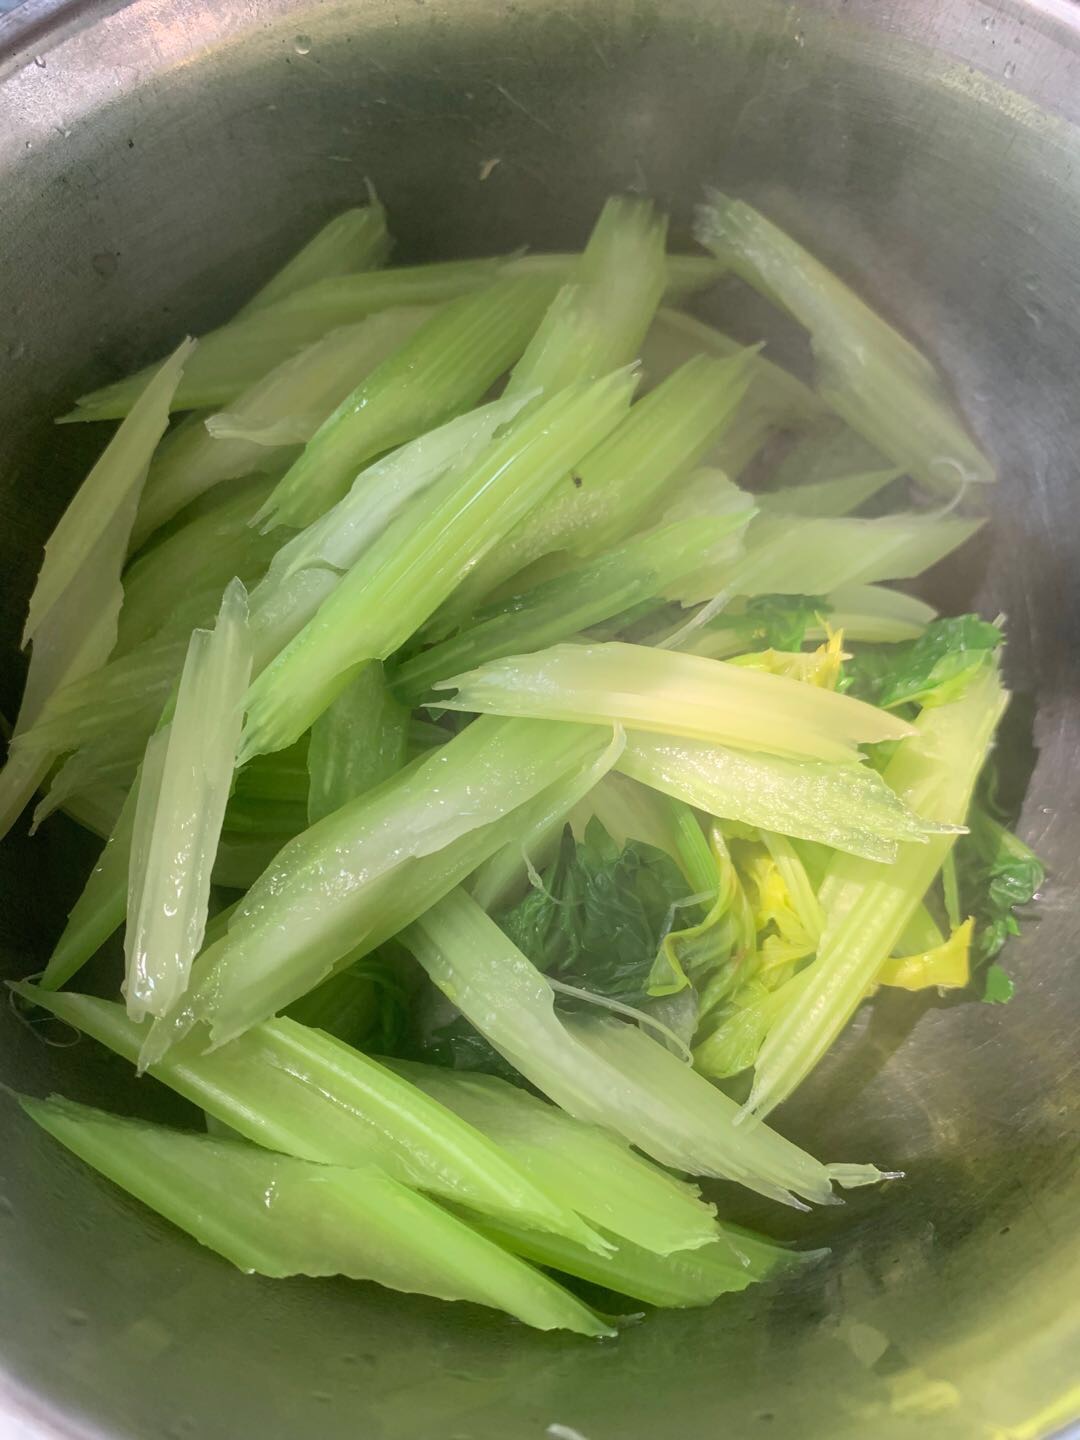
183	791
278	1216
241	352
866	909
423	554
597	322
72	621
557	609
824	498
306	1094
445	368
356	744
606	1072
849	807
871	376
594	1170
661	690
355	240
270	418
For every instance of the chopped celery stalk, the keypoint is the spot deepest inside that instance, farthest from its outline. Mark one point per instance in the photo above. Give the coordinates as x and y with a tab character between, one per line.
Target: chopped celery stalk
444	368
597	322
731	1263
848	807
660	690
351	881
685	273
593	1170
945	965
866	908
611	490
840	495
178	584
866	371
423	554
72	619
663	1108
302	1092
235	356
559	608
270	418
356	744
828	450
183	792
818	555
100	908
629	811
98	810
355	240
274	1215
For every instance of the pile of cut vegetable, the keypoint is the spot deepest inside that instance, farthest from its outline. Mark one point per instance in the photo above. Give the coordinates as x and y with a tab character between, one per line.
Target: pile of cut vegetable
513	764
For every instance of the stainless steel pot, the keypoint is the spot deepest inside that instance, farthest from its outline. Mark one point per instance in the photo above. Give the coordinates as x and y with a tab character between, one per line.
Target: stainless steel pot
157	158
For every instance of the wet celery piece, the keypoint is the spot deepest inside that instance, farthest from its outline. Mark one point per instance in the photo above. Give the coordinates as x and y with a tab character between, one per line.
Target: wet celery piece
356	744
866	371
608	1073
557	609
72	619
183	791
355	240
275	1215
300	1091
423	554
444	368
661	690
867	909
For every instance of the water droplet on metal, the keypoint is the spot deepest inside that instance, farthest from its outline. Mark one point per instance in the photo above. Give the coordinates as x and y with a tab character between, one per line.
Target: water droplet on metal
302	45
40	61
1010	69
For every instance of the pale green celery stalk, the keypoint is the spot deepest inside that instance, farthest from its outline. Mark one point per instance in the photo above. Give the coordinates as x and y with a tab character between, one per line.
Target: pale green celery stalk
300	1091
846	806
597	322
685	695
559	608
183	791
356	240
800	887
445	368
840	495
684	273
100	908
818	555
921	933
98	809
829	449
275	1215
178	584
593	1170
109	760
866	371
270	418
631	811
72	619
866	908
350	882
237	354
669	1112
730	1264
356	744
662	439
423	554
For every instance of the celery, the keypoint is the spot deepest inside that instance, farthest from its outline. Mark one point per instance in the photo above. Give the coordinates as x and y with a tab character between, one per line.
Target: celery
353	241
839	495
642	1092
846	806
444	368
558	608
423	554
660	690
356	744
597	322
592	1169
183	792
351	881
306	1094
72	619
274	1215
866	908
867	372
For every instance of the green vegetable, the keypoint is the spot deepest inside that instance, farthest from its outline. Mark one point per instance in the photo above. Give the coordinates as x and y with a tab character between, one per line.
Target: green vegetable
931	670
356	744
996	875
355	240
274	1215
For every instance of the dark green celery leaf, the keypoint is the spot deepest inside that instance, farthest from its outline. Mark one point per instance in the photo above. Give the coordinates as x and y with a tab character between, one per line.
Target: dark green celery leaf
996	874
931	670
778	622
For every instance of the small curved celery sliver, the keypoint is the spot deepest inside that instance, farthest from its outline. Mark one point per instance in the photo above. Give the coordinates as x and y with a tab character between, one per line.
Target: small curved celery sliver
662	690
183	791
866	371
274	1215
